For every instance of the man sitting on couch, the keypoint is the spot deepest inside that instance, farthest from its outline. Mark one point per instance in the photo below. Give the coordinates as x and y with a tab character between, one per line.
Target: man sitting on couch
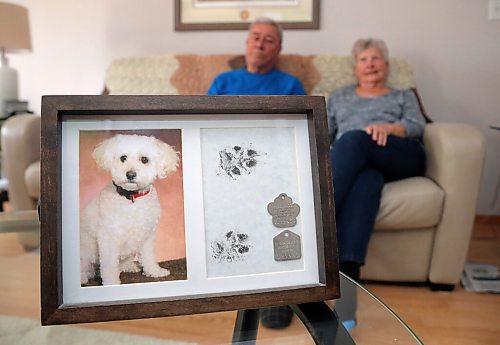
260	77
263	46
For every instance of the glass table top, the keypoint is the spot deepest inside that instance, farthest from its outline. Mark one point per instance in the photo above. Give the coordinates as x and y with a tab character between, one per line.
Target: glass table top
376	323
20	313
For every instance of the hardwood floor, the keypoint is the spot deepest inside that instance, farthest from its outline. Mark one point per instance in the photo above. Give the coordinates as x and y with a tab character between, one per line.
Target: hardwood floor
438	318
458	317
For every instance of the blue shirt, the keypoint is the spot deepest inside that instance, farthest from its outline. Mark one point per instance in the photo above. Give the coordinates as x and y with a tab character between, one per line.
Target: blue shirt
242	82
347	111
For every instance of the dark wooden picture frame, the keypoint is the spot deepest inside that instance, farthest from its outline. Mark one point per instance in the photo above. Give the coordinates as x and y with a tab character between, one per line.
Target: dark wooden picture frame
57	111
236	15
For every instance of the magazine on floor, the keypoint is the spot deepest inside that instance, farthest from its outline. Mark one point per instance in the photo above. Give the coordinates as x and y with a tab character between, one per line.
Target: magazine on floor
481	277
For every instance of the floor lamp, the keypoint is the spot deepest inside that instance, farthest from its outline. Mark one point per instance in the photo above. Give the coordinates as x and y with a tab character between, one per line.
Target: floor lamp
14	37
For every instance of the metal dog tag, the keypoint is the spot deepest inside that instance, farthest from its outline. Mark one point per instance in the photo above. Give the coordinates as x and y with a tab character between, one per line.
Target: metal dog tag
287	246
284	212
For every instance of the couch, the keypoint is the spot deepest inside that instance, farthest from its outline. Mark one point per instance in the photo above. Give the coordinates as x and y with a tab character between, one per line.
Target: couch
424	225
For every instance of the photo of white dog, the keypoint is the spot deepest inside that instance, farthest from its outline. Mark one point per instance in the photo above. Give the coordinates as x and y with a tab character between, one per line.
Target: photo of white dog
118	226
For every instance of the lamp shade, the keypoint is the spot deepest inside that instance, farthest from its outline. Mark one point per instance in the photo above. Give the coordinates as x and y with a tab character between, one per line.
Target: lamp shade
14	28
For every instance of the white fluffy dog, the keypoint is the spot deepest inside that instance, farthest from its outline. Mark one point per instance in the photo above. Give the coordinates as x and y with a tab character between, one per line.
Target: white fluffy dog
119	225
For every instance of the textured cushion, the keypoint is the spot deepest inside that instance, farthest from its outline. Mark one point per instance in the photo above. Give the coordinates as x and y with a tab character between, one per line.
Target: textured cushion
141	76
192	74
411	203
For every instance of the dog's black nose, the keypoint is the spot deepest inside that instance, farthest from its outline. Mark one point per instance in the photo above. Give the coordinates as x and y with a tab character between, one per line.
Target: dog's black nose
131	175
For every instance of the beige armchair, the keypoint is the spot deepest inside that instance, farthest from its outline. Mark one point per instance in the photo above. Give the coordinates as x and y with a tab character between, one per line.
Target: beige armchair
21	165
424	224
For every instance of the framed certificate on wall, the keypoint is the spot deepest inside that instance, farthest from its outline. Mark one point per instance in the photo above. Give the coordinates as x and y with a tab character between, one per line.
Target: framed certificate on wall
238	14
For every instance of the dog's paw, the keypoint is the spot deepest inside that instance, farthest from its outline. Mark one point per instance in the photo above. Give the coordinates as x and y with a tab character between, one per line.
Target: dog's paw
156	272
130	266
109	281
85	277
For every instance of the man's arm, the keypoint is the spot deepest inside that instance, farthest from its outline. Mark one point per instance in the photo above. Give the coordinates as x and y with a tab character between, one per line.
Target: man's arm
213	90
298	89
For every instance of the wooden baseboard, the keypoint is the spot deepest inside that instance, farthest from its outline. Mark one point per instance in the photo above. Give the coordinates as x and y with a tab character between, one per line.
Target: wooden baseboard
487	219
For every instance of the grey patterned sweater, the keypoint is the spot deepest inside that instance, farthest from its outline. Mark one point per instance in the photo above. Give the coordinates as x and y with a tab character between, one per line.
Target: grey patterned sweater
347	111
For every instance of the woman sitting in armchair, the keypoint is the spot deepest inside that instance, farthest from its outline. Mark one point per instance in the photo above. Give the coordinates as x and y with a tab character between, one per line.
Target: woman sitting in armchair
376	135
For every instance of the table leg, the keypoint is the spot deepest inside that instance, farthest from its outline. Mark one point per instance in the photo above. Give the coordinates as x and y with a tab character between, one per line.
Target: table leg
322	323
4	196
246	327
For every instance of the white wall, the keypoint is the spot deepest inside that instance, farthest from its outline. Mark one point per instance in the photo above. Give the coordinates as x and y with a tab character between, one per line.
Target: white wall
454	48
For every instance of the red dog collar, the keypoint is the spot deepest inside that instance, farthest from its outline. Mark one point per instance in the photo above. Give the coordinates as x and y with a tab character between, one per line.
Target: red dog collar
130	194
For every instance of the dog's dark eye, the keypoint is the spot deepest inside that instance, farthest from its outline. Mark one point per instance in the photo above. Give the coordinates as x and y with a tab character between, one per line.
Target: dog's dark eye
123	158
144	160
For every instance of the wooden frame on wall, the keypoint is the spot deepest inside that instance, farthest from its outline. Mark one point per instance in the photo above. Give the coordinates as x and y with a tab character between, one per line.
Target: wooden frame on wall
237	14
271	237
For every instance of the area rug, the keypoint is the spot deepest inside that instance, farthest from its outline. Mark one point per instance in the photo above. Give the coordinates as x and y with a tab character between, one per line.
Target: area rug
23	331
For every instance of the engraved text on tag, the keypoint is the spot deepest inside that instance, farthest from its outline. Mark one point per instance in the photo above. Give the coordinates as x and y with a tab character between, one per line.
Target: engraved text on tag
284	211
287	246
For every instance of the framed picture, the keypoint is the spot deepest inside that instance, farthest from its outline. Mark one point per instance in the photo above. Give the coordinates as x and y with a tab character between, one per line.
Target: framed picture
237	14
170	205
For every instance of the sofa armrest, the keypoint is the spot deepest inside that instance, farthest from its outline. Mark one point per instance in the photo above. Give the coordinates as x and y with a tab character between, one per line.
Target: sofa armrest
455	158
20	148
